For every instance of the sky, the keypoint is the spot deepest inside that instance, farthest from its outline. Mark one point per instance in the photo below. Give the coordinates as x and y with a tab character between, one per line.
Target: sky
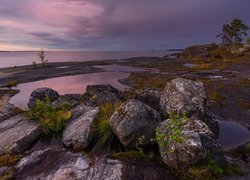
99	25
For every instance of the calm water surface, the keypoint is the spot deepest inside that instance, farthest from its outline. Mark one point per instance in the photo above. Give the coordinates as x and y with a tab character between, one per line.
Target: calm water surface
232	134
76	83
9	59
67	84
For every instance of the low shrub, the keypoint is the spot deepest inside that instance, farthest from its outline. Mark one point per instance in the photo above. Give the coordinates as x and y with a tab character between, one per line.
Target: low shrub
51	118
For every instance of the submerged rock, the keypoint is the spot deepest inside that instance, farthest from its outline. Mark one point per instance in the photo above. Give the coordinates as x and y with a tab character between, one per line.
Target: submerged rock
133	120
97	95
18	134
40	94
197	141
77	133
187	96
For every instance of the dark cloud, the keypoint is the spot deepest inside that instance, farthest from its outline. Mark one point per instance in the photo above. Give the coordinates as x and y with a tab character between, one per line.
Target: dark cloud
116	25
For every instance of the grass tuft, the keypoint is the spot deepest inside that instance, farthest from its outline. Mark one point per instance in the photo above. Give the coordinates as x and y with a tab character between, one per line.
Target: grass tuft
104	136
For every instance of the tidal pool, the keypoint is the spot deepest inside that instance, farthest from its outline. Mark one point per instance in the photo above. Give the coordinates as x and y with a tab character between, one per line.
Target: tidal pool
67	85
232	134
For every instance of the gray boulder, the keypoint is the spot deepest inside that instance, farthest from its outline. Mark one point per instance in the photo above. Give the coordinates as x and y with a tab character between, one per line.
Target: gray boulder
77	133
133	120
97	95
198	140
149	97
40	94
187	96
18	134
66	100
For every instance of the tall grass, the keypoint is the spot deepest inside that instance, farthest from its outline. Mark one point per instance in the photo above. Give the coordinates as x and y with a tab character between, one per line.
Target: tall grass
104	139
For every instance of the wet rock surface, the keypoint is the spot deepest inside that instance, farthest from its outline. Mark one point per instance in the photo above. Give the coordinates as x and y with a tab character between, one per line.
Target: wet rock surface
133	120
40	94
189	97
18	134
77	133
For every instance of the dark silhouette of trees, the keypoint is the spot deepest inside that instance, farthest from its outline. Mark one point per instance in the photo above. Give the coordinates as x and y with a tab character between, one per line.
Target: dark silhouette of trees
234	32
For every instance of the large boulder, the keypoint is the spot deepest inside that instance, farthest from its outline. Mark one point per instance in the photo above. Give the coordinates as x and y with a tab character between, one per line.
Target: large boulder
133	120
189	97
97	95
18	134
67	100
197	141
149	97
41	94
77	133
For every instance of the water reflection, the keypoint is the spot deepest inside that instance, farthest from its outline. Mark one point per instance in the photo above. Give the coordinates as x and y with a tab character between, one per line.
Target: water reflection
68	84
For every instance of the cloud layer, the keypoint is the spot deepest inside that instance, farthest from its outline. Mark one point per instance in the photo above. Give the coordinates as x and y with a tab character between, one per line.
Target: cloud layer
114	24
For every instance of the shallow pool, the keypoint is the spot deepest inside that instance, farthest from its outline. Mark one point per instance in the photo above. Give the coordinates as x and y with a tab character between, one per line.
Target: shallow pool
232	134
67	85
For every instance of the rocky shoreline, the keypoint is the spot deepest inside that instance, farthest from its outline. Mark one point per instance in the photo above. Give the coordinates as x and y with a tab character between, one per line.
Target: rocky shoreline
148	143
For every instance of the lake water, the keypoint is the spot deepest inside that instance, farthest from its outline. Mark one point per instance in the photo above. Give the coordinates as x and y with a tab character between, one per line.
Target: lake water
10	59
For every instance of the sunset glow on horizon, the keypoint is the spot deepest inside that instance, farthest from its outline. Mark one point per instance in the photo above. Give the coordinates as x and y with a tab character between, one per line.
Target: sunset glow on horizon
114	25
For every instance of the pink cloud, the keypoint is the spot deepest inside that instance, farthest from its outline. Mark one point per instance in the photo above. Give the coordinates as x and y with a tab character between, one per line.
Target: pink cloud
61	12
